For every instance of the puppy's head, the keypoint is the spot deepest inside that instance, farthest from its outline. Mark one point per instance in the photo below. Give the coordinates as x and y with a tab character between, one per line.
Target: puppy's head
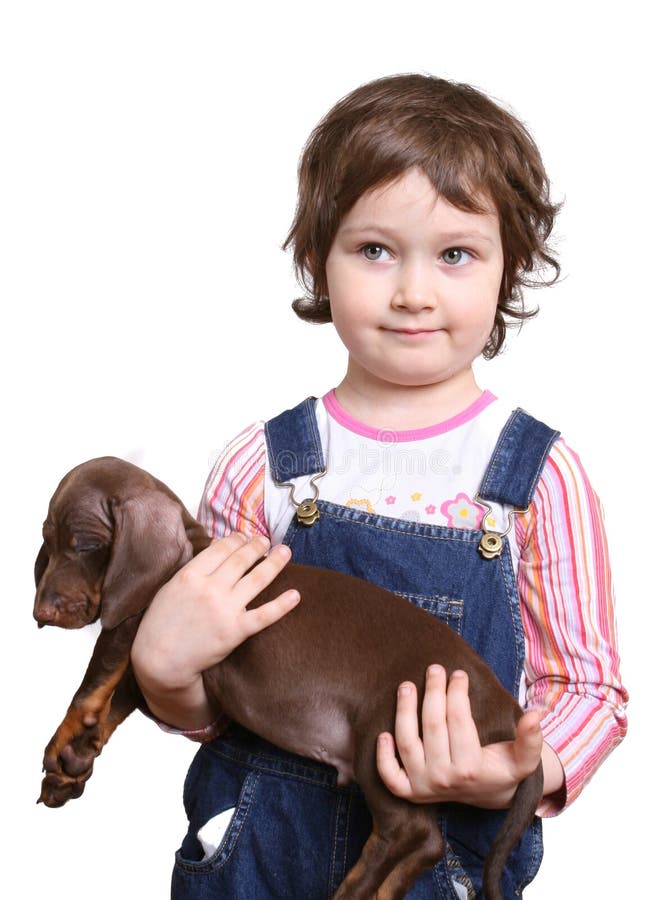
112	537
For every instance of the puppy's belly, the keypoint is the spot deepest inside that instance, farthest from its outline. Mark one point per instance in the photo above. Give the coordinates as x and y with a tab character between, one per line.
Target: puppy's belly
328	739
324	735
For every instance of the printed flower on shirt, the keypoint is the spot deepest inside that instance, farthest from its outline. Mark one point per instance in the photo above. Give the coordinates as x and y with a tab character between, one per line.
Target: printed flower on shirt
362	504
462	512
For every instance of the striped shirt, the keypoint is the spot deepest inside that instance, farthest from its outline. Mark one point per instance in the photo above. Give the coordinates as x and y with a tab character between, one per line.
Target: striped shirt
558	547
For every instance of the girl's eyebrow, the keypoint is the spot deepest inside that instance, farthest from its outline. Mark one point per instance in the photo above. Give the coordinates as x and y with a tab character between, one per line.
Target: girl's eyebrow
448	237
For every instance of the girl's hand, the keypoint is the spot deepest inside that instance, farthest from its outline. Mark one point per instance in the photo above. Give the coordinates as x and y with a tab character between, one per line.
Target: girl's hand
449	763
198	618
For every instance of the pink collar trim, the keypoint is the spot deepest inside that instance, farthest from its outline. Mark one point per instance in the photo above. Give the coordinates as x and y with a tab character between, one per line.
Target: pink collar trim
387	435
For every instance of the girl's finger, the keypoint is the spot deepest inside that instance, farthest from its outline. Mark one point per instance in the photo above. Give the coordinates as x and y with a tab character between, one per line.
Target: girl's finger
407	734
392	774
216	553
269	613
435	732
251	583
462	733
528	744
234	565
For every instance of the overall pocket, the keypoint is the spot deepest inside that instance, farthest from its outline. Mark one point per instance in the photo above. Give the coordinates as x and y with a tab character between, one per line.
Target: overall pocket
217	799
445	609
278	840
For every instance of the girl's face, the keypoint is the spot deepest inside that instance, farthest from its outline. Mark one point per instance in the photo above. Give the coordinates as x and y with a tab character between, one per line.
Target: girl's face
413	283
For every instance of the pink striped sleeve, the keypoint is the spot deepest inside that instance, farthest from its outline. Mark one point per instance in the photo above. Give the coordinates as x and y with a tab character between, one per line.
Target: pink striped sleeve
233	498
567	606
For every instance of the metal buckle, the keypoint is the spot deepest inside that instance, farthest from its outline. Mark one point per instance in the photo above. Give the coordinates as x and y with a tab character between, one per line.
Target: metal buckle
306	510
492	542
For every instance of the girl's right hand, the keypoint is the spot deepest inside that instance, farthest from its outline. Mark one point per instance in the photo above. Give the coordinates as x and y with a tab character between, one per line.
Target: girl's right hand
198	618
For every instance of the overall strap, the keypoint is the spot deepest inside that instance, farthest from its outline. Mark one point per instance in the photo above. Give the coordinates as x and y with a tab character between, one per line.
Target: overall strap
517	461
293	443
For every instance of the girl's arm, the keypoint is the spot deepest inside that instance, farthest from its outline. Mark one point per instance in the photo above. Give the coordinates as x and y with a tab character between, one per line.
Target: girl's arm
200	616
567	604
572	668
197	619
448	763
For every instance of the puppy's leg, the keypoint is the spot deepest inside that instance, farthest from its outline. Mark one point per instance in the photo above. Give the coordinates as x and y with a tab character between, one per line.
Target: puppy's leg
77	756
405	840
93	715
404	843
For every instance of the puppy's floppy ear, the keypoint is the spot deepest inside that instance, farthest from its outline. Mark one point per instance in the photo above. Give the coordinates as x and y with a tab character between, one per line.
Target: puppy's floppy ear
41	563
149	545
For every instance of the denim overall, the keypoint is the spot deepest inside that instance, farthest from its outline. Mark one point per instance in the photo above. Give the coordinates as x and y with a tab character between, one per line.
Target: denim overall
294	834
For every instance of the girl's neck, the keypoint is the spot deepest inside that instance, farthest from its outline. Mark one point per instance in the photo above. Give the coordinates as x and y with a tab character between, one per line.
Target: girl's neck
380	404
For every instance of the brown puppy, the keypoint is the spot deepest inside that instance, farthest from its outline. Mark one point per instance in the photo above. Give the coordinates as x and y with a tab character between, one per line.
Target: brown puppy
114	535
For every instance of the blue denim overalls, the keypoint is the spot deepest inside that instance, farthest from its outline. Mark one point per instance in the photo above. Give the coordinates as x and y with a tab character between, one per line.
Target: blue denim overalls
294	834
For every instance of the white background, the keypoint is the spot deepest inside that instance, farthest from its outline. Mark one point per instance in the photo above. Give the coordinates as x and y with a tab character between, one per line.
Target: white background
147	176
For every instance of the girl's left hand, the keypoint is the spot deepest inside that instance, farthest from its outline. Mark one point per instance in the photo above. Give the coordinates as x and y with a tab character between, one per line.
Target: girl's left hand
449	763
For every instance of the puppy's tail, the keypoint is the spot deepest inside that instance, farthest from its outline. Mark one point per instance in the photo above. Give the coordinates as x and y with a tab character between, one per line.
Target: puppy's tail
518	818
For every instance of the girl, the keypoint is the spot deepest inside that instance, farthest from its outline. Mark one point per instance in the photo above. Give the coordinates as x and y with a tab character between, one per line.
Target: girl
423	209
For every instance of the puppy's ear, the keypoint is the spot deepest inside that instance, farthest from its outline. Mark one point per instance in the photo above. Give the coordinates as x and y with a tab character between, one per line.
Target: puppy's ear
41	563
149	545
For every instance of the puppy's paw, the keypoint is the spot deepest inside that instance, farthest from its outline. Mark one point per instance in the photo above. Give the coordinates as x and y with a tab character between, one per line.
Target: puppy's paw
58	789
77	757
68	760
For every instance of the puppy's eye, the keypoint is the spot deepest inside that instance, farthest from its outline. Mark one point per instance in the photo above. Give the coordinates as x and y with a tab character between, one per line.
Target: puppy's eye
85	544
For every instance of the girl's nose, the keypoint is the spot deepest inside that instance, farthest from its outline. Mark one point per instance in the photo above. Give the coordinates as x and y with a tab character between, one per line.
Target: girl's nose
414	289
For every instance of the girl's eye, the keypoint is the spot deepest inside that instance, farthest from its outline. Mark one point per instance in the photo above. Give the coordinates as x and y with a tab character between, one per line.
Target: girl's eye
455	256
373	252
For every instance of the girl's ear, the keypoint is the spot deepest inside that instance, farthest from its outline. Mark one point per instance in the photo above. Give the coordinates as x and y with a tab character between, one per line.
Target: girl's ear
149	545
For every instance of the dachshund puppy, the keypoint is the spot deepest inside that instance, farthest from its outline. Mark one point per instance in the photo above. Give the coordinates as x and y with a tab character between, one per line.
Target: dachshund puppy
114	535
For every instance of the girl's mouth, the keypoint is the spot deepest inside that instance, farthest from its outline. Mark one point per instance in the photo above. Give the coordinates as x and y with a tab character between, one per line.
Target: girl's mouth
413	332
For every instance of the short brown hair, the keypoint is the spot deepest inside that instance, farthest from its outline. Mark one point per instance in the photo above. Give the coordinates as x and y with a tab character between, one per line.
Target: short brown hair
472	151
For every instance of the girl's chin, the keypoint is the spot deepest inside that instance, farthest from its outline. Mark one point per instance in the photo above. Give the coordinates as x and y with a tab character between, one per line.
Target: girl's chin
415	378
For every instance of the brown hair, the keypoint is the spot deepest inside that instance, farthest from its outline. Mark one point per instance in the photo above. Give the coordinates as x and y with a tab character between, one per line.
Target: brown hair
472	151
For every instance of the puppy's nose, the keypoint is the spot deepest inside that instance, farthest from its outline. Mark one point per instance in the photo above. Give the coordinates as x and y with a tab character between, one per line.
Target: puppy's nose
45	614
49	605
64	609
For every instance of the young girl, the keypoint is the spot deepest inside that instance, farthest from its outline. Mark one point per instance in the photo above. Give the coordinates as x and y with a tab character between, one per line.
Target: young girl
423	208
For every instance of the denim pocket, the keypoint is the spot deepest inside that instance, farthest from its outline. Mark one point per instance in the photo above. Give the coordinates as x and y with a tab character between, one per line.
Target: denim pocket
279	842
207	806
444	608
212	832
